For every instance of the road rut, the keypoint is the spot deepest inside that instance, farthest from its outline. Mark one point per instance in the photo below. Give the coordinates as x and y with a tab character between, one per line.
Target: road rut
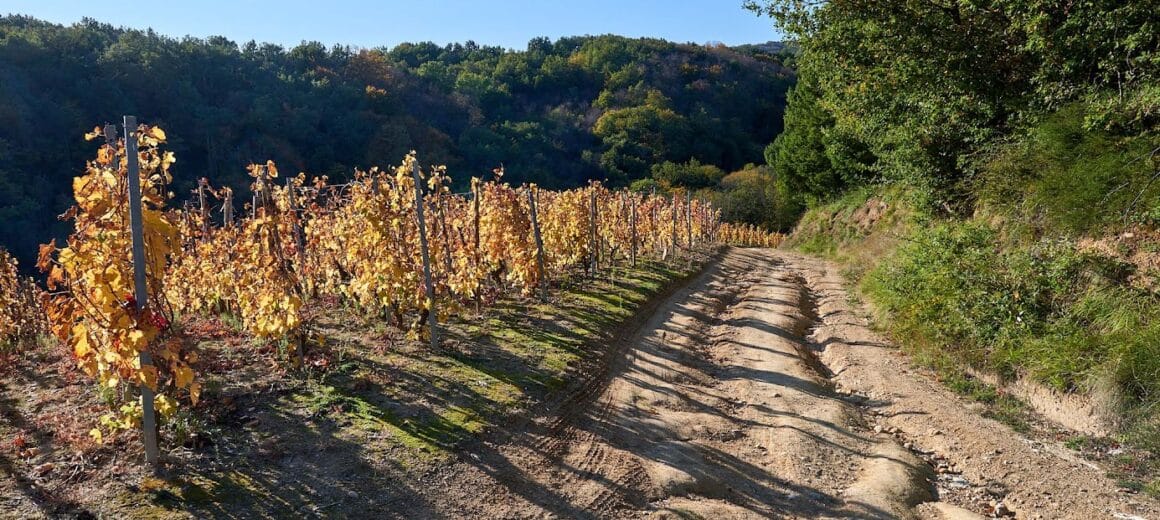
722	404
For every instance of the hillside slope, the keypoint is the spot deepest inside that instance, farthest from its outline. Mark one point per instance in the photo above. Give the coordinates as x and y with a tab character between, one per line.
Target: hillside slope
986	174
557	113
1053	329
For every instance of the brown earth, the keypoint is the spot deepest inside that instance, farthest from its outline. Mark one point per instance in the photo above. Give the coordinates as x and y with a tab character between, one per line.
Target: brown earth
980	461
1137	247
757	391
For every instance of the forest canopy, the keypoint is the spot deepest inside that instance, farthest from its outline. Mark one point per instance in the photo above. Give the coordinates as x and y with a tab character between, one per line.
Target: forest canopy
556	113
921	93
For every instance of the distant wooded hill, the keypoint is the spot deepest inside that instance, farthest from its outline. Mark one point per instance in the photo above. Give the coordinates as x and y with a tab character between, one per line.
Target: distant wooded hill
558	113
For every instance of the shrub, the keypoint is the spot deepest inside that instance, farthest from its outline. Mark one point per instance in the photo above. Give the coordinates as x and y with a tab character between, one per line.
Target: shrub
1045	310
1064	177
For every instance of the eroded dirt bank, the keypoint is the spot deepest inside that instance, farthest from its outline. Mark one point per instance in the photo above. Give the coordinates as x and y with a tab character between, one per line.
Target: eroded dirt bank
757	392
981	463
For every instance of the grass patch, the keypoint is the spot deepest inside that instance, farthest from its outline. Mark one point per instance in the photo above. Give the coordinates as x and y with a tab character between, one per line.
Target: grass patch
999	406
859	228
824	229
1044	311
426	401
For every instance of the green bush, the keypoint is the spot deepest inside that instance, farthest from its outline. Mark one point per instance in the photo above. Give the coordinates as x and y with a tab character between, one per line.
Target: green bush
692	174
1045	310
1064	177
754	195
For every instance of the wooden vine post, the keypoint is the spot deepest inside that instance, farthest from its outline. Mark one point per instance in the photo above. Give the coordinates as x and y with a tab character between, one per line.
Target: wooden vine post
441	216
706	219
673	223
295	229
299	232
259	198
689	218
602	257
654	222
701	219
300	246
228	209
140	287
592	245
203	210
476	191
432	315
299	229
620	214
539	244
632	226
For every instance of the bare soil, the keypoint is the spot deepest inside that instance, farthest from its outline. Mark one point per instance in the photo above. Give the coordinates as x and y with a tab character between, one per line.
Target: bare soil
752	390
757	391
981	462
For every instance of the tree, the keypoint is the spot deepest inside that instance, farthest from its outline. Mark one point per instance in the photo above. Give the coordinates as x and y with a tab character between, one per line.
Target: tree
813	159
926	85
640	136
919	83
326	110
692	174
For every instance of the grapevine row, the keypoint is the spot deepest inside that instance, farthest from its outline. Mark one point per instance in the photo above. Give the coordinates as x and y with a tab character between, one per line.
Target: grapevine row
301	239
21	320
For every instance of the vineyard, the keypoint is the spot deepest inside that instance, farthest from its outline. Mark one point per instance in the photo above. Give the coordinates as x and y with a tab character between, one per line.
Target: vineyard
395	245
21	318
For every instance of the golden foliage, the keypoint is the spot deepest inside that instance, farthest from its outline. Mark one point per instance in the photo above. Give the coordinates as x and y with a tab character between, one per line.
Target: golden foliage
90	305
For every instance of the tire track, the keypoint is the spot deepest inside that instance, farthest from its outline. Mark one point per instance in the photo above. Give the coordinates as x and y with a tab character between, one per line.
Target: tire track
712	406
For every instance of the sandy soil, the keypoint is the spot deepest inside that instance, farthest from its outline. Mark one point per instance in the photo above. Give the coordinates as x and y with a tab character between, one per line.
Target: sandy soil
754	392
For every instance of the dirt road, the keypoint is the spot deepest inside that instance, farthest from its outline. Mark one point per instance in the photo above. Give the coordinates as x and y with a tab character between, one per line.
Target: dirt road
754	392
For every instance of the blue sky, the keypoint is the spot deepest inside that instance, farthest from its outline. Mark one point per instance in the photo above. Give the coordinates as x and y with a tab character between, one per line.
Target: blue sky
367	23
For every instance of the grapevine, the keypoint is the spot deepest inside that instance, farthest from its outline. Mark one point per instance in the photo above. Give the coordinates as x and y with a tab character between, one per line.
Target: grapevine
748	235
355	242
21	318
90	305
246	269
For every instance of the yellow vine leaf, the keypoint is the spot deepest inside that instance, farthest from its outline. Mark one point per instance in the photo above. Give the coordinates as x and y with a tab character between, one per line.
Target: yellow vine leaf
147	375
183	376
